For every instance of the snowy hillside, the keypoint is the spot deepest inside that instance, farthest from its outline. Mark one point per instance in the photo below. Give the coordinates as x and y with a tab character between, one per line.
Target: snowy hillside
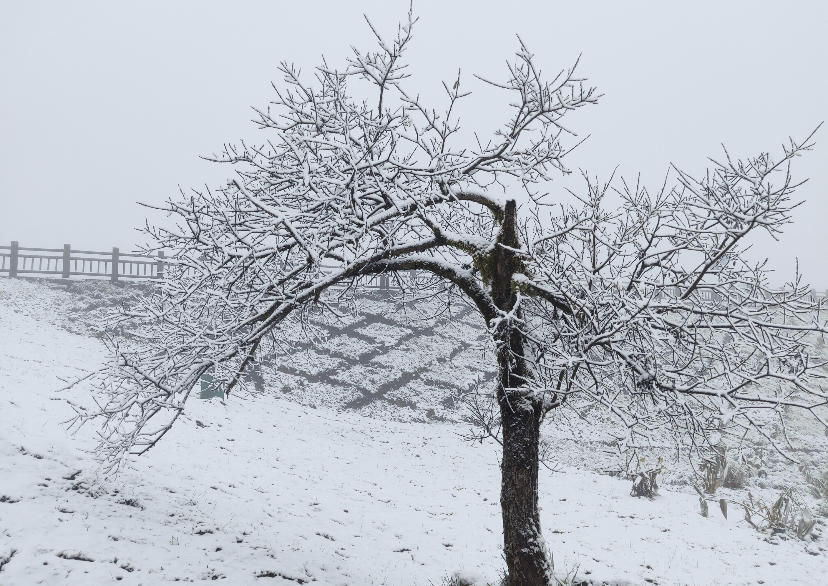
332	478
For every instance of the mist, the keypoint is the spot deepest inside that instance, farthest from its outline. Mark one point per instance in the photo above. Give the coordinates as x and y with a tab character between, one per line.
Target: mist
106	105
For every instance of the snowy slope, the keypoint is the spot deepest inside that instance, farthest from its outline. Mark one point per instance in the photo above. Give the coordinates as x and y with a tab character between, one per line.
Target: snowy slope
324	495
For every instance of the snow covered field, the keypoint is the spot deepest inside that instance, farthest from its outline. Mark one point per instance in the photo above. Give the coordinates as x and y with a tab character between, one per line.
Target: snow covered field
271	491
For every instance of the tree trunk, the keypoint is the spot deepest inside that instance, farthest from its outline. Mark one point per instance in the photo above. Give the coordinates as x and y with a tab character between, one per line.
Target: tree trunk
523	544
521	413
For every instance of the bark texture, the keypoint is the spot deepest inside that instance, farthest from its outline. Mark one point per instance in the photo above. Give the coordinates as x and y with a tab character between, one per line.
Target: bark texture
523	544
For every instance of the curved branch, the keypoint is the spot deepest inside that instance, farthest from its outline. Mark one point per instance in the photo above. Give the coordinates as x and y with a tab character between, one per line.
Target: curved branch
532	289
464	279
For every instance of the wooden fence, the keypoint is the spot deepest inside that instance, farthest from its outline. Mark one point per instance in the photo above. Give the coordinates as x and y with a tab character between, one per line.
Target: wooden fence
16	260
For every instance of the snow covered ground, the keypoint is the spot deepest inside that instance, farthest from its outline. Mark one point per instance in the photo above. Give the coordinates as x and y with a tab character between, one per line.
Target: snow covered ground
271	491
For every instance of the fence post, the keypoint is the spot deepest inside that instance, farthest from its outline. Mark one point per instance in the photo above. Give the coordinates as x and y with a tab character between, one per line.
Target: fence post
159	265
115	264
15	246
67	255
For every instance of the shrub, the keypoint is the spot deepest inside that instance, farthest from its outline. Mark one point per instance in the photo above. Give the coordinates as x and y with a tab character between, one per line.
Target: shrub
734	477
817	483
645	482
783	516
718	471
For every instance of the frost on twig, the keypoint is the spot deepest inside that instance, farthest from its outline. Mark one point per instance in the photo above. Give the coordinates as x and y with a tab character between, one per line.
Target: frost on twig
646	311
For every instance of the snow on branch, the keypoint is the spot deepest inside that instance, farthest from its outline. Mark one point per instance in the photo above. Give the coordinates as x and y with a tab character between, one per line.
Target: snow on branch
647	309
651	310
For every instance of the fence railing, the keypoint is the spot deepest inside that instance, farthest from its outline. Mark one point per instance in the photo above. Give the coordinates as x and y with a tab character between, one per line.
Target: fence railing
66	262
16	260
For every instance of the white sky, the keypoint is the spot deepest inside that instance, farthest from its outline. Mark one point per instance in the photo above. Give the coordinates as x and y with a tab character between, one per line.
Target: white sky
103	104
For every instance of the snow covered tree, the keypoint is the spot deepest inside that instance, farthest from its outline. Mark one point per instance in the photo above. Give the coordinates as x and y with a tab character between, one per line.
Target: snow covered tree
614	298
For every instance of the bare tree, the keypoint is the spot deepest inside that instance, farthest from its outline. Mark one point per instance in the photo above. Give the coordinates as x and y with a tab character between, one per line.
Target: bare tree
637	303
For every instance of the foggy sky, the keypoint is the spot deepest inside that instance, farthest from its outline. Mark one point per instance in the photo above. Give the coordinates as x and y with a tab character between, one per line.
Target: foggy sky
103	104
